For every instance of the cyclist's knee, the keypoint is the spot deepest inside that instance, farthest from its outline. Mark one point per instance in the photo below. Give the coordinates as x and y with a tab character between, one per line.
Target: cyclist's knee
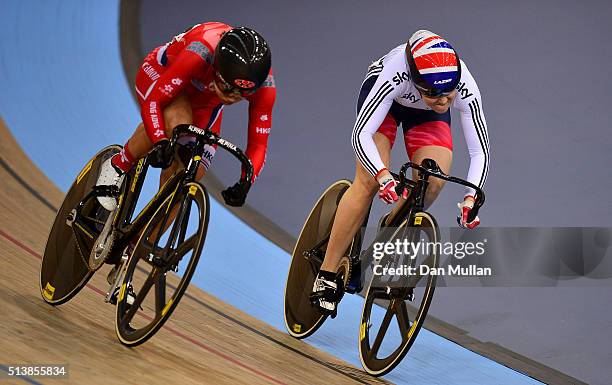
365	184
201	172
433	190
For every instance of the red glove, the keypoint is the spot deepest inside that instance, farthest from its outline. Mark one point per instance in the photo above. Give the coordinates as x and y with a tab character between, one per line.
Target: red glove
464	209
386	191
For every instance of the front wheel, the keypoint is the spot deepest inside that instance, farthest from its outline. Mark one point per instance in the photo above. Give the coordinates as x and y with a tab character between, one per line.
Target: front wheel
395	306
65	269
162	264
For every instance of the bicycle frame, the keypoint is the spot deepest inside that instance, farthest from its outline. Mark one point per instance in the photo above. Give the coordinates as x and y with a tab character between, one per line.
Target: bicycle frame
416	201
125	226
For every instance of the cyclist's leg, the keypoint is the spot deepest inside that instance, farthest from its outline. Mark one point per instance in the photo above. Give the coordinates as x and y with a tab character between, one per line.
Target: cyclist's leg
351	212
430	138
353	207
209	118
185	114
139	143
444	157
177	112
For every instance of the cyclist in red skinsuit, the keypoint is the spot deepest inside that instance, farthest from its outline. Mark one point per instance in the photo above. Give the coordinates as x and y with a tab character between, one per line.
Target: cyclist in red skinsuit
184	82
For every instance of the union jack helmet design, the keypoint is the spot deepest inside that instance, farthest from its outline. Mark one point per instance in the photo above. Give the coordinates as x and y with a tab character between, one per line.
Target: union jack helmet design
435	68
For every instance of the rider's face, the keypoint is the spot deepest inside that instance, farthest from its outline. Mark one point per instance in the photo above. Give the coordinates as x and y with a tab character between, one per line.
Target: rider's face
227	95
440	104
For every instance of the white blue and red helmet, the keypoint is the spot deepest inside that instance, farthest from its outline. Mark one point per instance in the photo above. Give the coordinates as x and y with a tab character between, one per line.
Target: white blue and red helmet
435	69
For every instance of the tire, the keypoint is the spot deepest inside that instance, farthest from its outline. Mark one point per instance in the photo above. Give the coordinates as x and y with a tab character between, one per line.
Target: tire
395	305
64	270
135	324
301	318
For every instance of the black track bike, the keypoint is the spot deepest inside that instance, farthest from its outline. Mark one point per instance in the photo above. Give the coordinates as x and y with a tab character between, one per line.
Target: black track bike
169	234
402	301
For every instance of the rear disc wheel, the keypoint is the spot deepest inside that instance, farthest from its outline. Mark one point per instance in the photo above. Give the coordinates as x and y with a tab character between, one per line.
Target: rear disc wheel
301	317
64	269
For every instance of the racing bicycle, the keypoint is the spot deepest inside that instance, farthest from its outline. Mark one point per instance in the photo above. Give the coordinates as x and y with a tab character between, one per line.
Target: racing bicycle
405	297
157	248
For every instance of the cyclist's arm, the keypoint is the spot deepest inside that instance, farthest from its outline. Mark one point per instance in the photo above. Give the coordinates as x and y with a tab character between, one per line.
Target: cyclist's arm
469	102
371	115
260	123
196	57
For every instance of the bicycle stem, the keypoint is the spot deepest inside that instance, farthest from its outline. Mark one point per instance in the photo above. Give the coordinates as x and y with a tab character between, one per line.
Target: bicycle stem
430	168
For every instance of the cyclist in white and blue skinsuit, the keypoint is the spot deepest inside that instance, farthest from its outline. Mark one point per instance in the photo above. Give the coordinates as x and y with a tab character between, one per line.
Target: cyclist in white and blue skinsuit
413	85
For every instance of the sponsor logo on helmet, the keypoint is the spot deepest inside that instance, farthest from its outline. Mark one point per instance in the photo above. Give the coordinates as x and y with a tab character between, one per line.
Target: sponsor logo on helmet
443	81
244	83
399	78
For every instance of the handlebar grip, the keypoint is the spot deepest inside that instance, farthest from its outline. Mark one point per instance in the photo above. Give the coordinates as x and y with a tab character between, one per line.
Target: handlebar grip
209	137
478	202
399	189
472	214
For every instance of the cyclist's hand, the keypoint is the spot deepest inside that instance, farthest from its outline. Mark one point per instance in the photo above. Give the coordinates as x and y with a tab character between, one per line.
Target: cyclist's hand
236	195
464	210
162	154
387	184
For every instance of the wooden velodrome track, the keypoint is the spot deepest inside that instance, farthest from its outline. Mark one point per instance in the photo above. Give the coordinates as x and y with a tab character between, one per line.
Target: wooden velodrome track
205	342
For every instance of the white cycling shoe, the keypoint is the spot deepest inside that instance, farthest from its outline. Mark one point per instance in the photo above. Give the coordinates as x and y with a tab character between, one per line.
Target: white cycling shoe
109	176
324	294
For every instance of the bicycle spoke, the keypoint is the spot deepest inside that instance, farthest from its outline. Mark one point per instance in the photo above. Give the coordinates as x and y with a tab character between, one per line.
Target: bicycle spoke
184	248
90	219
160	293
142	293
414	280
184	225
403	320
382	330
178	221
